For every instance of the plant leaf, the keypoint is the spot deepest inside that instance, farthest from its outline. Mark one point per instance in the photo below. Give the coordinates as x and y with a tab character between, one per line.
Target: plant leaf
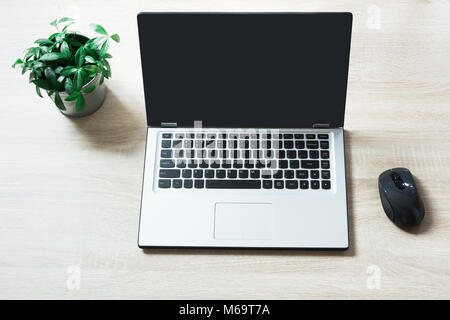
18	61
65	19
65	50
79	56
89	89
79	106
59	69
58	101
52	56
67	71
102	78
43	41
53	35
43	84
79	79
68	86
90	59
54	22
67	26
98	28
51	76
115	37
104	49
108	56
93	69
73	96
38	91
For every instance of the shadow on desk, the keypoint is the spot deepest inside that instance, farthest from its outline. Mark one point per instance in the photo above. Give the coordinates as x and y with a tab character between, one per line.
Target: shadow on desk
115	126
351	251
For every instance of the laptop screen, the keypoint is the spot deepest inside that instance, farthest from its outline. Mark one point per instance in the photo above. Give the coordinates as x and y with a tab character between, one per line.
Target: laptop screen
241	70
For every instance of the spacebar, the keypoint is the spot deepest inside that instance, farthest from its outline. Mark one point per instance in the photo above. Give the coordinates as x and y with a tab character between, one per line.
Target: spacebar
233	184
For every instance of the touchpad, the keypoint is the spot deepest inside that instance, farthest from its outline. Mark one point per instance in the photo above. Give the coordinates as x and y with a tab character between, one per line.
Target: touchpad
243	221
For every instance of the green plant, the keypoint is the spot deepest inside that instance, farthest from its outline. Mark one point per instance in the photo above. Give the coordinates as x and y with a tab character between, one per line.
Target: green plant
66	61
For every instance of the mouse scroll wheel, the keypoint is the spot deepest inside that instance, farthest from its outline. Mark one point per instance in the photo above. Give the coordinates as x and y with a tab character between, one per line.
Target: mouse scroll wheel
398	181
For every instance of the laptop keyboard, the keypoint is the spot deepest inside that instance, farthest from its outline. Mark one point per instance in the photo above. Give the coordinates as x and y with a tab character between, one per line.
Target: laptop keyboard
244	161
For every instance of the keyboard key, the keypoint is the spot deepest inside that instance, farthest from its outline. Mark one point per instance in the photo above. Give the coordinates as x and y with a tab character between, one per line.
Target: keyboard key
266	174
288	136
254	144
288	144
231	174
255	174
190	136
301	174
299	136
177	183
267	184
200	135
198	173
326	184
292	184
166	153
187	183
204	164
164	183
169	173
325	154
179	153
179	135
249	164
190	154
214	164
176	144
209	173
314	154
181	163
310	164
310	136
325	164
325	174
294	164
291	154
166	163
283	164
199	184
221	174
300	144
304	184
165	144
289	174
322	135
303	154
315	184
188	144
211	136
277	174
210	144
233	184
260	164
192	164
238	164
167	136
186	173
226	164
314	174
279	184
199	144
312	144
324	145
243	174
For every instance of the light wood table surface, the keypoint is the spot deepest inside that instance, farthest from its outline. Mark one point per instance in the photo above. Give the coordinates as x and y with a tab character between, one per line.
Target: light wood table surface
70	189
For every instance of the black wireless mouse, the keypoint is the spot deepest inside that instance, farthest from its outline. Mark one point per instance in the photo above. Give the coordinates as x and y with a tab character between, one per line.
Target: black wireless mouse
400	198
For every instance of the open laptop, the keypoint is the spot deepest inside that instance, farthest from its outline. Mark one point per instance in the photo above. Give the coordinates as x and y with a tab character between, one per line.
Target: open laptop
245	140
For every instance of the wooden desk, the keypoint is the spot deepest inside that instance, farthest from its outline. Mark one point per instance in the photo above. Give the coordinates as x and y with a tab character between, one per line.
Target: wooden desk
70	189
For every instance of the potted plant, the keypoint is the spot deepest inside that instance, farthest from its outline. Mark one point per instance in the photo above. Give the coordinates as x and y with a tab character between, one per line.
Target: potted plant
70	67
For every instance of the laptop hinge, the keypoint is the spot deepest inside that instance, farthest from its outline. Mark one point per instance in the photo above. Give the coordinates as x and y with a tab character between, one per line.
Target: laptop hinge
168	124
321	125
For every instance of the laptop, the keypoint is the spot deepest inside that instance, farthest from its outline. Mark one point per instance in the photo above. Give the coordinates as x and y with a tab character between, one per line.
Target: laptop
245	139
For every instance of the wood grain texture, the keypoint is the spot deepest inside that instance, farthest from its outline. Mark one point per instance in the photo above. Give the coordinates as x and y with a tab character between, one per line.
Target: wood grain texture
70	188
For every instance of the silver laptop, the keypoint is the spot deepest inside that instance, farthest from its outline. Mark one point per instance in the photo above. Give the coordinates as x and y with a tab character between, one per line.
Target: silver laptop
245	140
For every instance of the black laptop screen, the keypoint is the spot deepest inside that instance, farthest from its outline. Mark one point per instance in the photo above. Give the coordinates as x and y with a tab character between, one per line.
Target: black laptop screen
245	70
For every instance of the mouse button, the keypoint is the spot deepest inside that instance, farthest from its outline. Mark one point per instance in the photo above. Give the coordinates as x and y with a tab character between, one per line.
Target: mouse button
386	206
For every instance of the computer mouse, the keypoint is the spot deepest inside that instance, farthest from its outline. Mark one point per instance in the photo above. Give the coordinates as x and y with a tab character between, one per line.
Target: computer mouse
400	198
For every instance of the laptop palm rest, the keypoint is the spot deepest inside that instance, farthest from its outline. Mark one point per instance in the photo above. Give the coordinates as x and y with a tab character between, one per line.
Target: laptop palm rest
243	221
